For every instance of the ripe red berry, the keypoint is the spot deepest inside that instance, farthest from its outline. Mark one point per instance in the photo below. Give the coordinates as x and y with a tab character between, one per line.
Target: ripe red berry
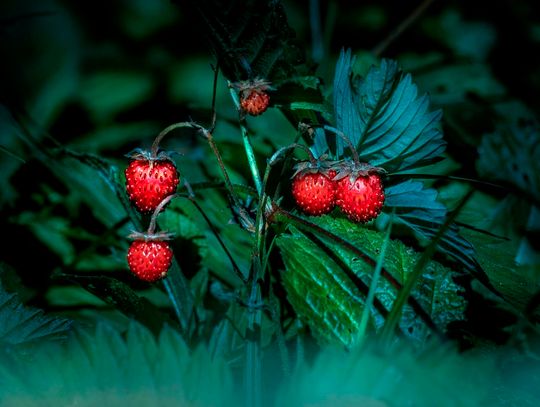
254	101
149	181
360	197
149	260
253	94
314	192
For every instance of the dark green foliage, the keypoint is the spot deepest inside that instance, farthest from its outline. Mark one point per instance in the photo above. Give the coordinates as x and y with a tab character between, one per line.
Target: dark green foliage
249	39
383	117
21	326
257	291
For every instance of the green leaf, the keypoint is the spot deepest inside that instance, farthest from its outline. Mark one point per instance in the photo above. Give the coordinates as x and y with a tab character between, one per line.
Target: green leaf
384	118
250	39
52	231
517	284
435	291
452	84
107	93
471	39
401	376
20	325
183	219
319	291
517	156
419	211
105	367
515	151
11	153
123	298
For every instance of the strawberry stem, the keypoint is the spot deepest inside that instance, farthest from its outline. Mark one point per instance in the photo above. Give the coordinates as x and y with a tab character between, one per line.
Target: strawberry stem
405	292
155	145
153	220
374	282
235	267
210	138
247	142
347	141
277	155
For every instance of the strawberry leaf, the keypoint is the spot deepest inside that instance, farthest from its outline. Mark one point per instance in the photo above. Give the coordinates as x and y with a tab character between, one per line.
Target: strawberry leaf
319	291
400	376
384	118
108	367
322	291
121	296
517	284
516	152
184	220
435	291
20	325
418	210
249	38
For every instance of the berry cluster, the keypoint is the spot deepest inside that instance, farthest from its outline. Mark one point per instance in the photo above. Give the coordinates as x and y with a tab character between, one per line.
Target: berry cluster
356	188
151	180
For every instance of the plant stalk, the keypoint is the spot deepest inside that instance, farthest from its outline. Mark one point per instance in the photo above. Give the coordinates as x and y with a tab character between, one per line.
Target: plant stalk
247	143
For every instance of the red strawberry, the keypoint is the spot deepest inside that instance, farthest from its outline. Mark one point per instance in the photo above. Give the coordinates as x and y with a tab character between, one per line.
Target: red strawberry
360	193
149	181
149	260
313	189
254	98
254	102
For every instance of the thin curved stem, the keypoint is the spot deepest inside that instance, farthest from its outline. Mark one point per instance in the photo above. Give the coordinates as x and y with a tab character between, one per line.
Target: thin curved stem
159	208
405	291
235	267
373	286
339	133
155	145
214	93
210	138
383	45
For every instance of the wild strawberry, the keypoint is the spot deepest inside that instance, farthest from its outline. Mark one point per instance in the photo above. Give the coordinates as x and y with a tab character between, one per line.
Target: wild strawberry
254	102
149	258
359	192
254	99
313	188
149	180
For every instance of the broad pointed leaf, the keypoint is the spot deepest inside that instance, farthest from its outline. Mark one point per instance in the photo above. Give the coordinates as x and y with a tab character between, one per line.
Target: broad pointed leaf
384	118
20	325
512	155
105	367
345	108
435	291
400	376
319	291
417	209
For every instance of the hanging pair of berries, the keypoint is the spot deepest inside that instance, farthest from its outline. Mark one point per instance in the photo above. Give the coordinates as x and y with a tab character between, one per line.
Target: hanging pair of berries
151	182
356	188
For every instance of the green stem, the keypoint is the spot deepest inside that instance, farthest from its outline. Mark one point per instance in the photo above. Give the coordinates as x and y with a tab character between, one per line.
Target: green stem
288	158
347	141
235	267
247	143
155	145
397	307
228	184
373	286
